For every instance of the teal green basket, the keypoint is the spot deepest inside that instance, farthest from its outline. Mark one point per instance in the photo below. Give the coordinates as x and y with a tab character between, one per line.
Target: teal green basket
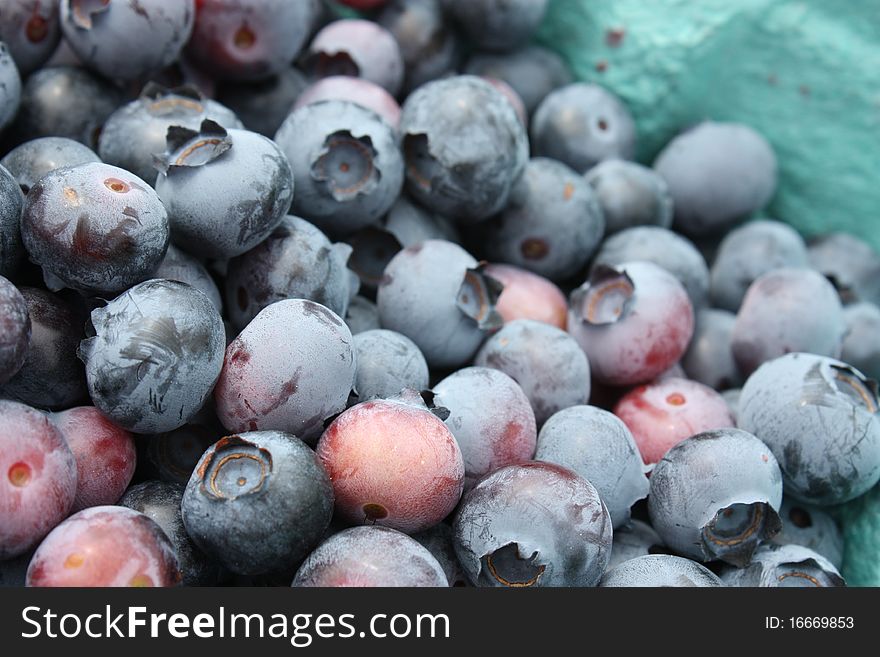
805	73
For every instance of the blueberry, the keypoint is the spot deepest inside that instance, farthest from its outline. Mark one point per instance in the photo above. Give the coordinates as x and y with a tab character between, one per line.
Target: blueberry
180	266
387	362
13	572
850	263
347	164
634	321
660	570
630	195
582	124
750	251
596	445
11	202
357	48
513	98
528	296
368	557
359	91
819	416
545	361
160	502
258	502
362	315
709	358
65	101
31	31
861	346
636	539
731	397
438	541
95	228
535	524
490	417
51	377
785	566
35	158
10	87
533	72
464	147
15	330
810	527
290	369
551	225
125	40
172	456
249	39
675	253
264	104
429	46
718	174
498	24
136	131
296	261
716	496
155	356
225	190
787	310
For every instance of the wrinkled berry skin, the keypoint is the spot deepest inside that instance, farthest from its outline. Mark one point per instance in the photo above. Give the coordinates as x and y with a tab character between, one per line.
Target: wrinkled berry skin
435	294
223	201
105	546
368	95
51	377
861	348
387	362
637	539
15	330
716	496
533	72
65	101
37	478
135	132
785	311
438	541
599	447
718	173
127	40
634	321
498	25
357	48
660	570
157	352
10	87
630	195
180	266
249	39
11	202
785	566
392	463
819	416
258	502
810	527
296	261
545	361
582	124
31	31
551	225
464	147
709	358
749	252
370	557
528	296
535	524
490	417
290	369
362	315
160	502
346	162
662	414
671	251
95	228
105	455
35	158
263	105
851	264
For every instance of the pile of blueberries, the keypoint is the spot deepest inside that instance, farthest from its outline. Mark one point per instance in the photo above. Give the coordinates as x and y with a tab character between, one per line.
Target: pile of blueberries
289	296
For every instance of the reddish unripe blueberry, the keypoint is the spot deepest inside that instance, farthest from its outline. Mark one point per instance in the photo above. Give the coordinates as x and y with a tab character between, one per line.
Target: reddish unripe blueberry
105	455
528	296
392	463
357	90
662	414
634	321
105	546
37	477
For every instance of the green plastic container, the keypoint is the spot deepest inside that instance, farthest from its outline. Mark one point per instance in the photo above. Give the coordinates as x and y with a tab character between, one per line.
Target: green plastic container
804	73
